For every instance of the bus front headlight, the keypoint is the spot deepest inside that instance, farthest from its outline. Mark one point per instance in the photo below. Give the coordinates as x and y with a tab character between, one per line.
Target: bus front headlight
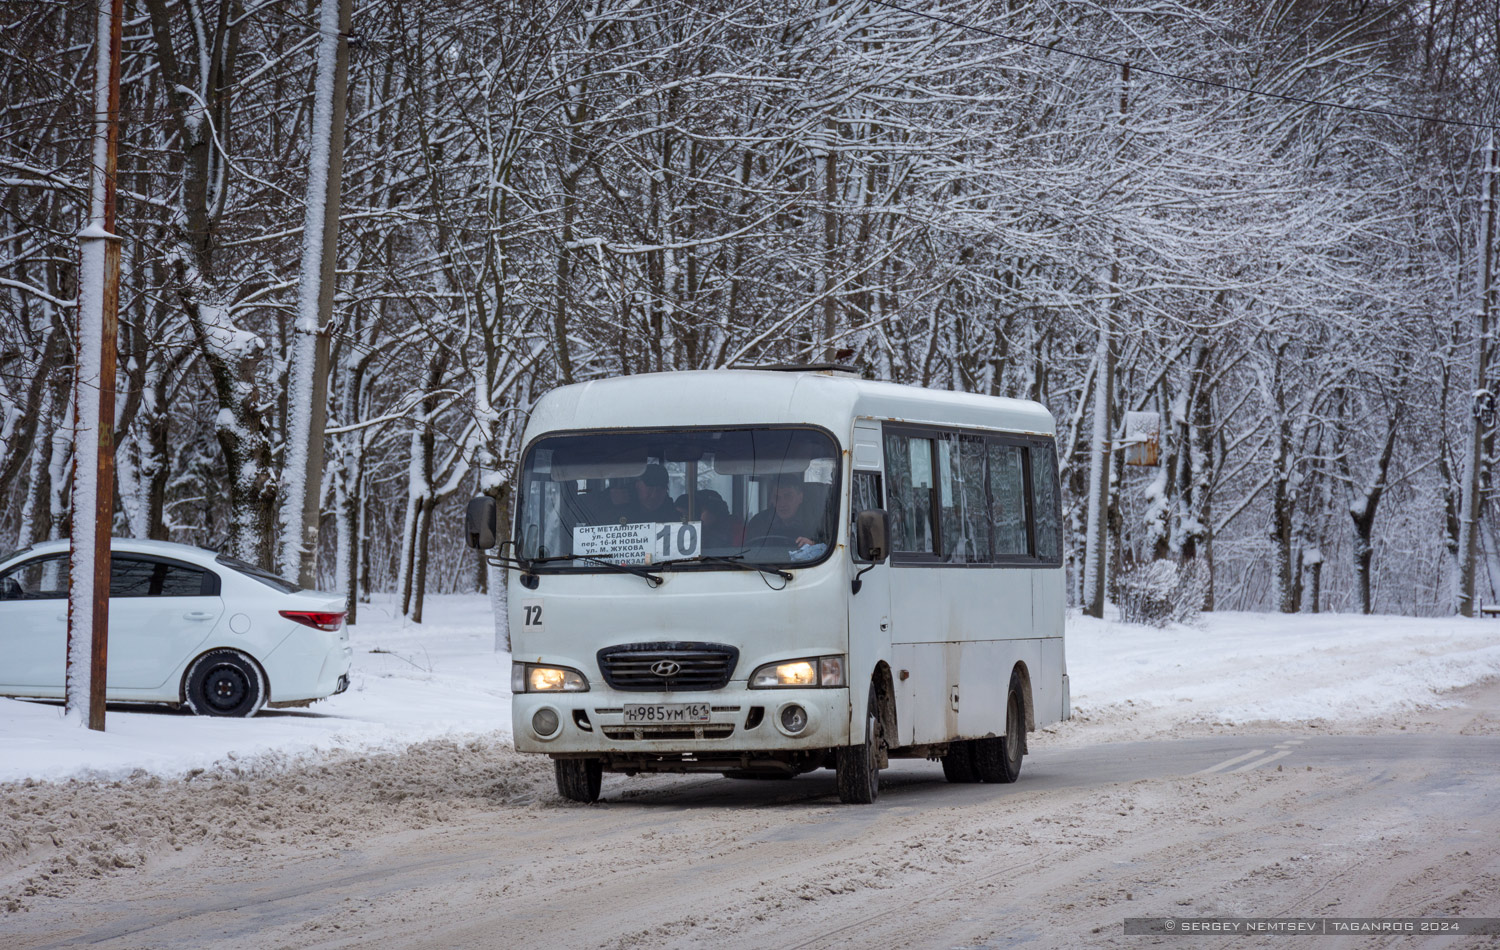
812	671
532	678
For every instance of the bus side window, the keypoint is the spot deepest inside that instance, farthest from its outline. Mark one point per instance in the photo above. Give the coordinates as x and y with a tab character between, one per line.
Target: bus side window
1047	509
1008	500
864	494
908	461
965	521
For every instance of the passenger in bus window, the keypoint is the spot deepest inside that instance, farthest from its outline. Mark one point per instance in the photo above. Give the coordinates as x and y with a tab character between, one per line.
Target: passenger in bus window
653	501
721	529
787	517
619	501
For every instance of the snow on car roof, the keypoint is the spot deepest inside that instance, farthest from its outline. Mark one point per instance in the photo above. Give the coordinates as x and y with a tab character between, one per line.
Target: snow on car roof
128	545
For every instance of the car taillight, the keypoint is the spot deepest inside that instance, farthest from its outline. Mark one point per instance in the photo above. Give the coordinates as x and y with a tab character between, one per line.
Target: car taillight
315	618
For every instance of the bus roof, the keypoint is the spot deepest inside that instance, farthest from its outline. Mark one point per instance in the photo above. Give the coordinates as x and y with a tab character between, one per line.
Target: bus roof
731	397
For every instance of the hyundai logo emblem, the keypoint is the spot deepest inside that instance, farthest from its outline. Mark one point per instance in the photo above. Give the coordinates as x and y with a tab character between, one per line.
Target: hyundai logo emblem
666	668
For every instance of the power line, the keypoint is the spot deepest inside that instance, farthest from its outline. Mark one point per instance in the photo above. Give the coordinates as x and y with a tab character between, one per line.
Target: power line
1179	77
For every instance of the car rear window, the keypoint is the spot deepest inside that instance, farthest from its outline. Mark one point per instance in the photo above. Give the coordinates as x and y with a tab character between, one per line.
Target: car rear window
258	573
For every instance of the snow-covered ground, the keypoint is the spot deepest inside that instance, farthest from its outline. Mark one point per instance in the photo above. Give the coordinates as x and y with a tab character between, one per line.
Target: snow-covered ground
439	678
1238	669
443	679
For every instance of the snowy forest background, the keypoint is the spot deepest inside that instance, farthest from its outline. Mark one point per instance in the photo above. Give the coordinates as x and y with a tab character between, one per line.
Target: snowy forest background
538	192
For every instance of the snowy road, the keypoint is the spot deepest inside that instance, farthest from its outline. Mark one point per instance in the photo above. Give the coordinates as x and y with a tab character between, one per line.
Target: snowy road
1290	822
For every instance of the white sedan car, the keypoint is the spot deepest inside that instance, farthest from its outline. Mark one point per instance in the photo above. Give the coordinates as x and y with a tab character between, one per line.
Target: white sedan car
186	626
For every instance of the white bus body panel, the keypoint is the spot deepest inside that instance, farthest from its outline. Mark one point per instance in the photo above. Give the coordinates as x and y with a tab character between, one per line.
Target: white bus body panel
586	612
743	397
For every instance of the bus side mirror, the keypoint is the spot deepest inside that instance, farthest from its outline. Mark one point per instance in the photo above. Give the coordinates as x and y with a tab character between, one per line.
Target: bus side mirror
479	522
872	532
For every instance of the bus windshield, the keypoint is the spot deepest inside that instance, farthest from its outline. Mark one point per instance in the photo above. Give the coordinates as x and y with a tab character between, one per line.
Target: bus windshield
700	497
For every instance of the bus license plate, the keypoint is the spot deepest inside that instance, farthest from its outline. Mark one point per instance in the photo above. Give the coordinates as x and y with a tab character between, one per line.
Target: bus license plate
648	714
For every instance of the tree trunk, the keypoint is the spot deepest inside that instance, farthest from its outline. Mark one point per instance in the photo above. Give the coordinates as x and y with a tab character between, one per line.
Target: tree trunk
1097	540
1364	556
242	430
1096	547
307	383
424	534
1283	540
157	469
349	541
1468	539
499	577
59	482
36	514
409	551
830	244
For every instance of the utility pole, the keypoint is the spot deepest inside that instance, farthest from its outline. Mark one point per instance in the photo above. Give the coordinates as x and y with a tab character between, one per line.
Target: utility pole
301	505
94	394
1468	525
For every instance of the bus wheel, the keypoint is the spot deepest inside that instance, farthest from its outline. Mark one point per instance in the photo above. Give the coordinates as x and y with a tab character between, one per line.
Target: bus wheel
959	765
578	780
999	759
857	767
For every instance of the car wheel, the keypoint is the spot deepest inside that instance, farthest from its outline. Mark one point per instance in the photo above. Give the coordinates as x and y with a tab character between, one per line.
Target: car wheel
857	767
224	683
999	758
959	765
579	780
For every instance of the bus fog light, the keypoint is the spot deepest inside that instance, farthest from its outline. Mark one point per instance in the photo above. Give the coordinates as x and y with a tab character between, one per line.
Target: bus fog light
545	722
793	718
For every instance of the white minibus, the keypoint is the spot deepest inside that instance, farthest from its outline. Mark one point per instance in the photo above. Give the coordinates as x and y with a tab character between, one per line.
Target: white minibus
765	572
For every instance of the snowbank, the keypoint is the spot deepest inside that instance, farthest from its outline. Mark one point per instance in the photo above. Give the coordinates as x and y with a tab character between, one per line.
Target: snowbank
1239	668
442	680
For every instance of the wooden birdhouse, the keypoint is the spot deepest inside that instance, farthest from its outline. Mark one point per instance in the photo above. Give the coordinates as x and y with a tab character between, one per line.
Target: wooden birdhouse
1142	441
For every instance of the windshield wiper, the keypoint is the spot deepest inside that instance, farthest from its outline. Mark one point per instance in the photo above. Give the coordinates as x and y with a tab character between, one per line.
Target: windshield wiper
736	561
655	580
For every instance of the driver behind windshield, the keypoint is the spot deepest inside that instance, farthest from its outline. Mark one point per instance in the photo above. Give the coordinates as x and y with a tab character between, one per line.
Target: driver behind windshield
789	518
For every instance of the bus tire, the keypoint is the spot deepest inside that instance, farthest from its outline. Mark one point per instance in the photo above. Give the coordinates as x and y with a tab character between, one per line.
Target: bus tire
958	765
999	758
579	780
857	767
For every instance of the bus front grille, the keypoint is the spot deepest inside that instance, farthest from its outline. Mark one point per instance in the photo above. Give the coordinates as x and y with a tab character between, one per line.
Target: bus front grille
668	667
708	730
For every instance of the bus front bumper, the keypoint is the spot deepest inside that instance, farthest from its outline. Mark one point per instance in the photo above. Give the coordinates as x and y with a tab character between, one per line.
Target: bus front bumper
741	722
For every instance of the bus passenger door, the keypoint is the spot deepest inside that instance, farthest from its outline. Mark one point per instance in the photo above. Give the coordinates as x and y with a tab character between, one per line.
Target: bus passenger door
870	609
